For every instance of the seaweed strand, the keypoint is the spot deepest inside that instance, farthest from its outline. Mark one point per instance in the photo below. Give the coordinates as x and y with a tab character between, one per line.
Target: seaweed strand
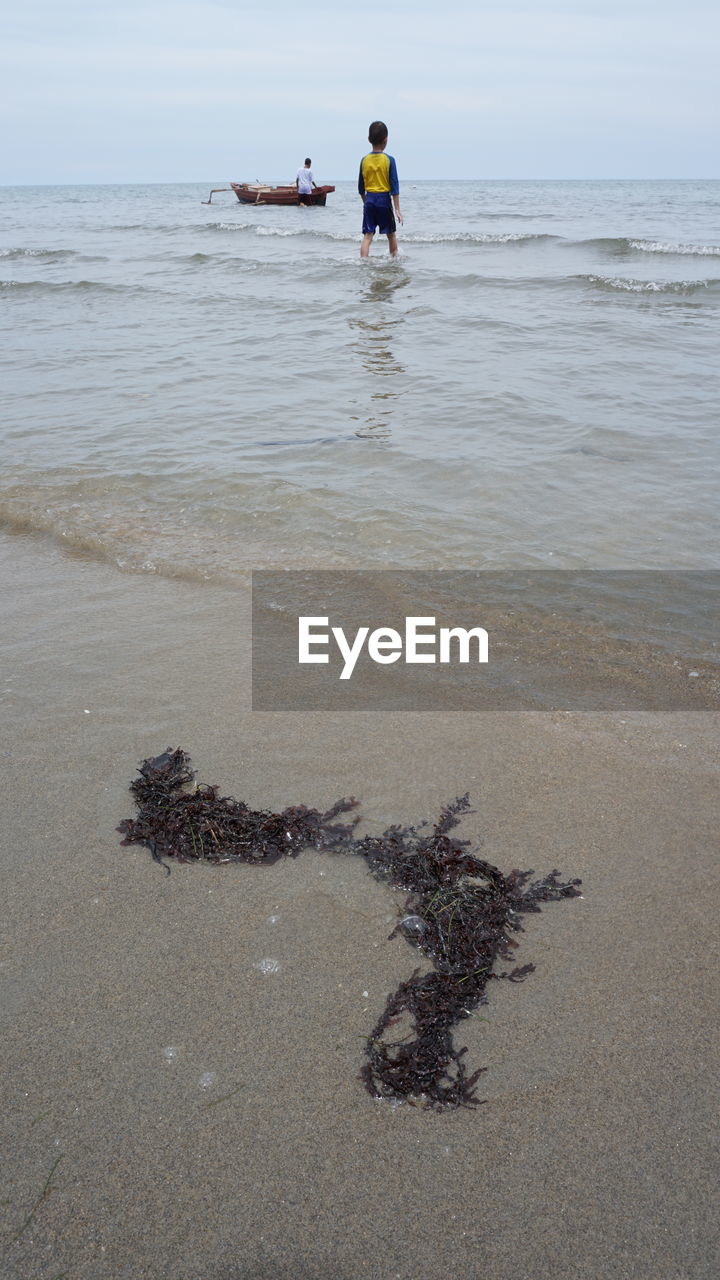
460	913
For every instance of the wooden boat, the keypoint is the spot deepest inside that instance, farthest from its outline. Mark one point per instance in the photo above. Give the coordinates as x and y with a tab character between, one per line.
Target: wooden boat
259	193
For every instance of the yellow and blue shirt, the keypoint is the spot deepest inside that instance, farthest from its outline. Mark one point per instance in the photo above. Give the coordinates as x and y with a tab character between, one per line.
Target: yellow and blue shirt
378	175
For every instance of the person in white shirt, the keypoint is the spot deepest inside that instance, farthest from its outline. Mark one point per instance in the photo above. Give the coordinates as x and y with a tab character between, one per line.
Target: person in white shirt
305	183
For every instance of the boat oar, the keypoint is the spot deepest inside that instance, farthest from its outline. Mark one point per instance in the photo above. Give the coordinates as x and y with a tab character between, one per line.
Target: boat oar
214	192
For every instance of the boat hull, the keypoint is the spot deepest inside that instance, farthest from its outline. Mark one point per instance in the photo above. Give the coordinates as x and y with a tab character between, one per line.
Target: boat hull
255	193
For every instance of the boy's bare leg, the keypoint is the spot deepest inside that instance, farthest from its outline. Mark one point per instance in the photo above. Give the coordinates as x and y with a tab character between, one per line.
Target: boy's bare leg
365	246
392	244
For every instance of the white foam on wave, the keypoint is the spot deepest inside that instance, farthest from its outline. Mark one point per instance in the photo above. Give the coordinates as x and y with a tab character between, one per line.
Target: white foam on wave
231	226
479	237
315	232
282	232
279	231
625	285
455	237
36	253
661	246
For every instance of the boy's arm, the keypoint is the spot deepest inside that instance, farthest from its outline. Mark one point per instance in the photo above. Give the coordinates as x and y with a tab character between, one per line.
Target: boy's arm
395	189
361	182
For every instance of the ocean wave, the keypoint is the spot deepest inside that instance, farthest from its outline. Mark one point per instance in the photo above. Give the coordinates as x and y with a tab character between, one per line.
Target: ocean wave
161	226
677	287
660	246
626	244
93	544
51	254
517	217
469	280
67	286
260	229
229	226
299	231
481	237
453	237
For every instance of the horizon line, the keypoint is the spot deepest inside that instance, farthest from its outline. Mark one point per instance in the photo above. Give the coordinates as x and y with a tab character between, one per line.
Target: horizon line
186	182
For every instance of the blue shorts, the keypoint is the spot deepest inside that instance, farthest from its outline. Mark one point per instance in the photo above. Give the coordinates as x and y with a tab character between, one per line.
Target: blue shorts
378	214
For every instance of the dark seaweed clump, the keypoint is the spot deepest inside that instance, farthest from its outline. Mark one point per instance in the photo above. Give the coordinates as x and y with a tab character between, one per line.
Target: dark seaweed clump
202	826
461	914
461	911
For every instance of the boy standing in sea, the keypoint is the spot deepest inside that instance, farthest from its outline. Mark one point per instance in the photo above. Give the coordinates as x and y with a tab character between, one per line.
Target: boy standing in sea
379	190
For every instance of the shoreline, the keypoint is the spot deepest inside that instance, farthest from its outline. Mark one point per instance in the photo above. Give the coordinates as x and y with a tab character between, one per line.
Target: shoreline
208	1112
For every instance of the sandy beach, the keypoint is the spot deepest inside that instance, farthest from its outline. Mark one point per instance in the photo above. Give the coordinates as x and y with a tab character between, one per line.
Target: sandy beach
177	1109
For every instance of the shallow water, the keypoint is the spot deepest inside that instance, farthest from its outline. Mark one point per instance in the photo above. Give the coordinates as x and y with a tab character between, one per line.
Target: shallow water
200	390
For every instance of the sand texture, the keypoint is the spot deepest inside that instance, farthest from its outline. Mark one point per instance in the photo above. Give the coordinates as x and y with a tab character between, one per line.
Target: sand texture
181	1051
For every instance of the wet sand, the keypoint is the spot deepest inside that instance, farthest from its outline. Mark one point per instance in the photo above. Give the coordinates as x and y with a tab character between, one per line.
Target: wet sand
206	1112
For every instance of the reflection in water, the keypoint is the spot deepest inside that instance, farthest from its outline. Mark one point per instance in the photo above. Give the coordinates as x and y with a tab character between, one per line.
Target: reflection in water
373	346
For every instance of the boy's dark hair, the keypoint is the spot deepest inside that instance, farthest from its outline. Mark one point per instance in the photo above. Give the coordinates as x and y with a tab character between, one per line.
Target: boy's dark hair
377	133
308	160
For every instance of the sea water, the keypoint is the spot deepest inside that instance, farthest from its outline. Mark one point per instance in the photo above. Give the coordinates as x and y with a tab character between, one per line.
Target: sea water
198	390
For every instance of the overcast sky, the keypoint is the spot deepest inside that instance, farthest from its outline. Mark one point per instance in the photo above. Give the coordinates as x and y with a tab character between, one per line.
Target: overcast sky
147	90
